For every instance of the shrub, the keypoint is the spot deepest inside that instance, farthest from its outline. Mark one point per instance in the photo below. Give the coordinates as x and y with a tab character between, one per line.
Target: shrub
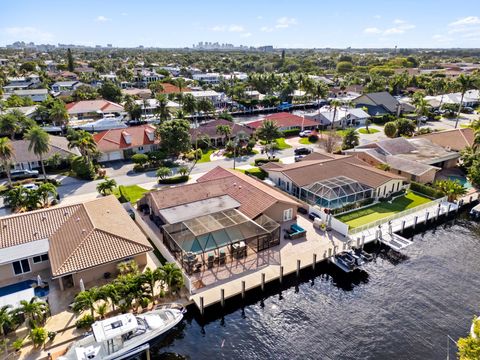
51	335
426	190
39	336
17	344
140	159
263	161
258	173
290	132
83	169
390	129
174	180
313	138
84	322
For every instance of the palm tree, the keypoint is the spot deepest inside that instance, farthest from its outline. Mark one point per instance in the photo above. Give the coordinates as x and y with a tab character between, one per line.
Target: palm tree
319	91
206	106
9	125
173	276
164	172
421	106
453	189
24	123
58	114
162	109
189	104
83	141
16	198
101	309
269	132
334	104
39	143
225	131
35	311
106	187
150	278
110	292
464	83
45	191
6	154
5	320
350	139
86	300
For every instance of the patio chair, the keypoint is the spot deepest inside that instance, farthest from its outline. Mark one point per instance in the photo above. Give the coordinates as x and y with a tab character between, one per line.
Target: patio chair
222	257
210	260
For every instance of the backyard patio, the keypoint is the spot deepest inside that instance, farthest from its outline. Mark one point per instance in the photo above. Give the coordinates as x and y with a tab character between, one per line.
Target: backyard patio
382	210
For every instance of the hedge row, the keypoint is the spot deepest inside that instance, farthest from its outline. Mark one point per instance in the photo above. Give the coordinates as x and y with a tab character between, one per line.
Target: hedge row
262	161
291	132
426	190
174	180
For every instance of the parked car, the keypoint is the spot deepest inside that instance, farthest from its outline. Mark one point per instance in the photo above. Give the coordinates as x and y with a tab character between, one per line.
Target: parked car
23	174
423	119
305	133
30	186
302	151
299	157
467	110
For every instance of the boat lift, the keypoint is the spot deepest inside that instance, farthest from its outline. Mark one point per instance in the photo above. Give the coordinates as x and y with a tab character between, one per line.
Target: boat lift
392	240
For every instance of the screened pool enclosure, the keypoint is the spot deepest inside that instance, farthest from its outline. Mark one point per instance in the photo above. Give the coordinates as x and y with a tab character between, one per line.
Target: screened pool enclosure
216	238
335	192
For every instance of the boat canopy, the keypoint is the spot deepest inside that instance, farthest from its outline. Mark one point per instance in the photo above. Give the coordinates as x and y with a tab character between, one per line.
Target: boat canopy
116	326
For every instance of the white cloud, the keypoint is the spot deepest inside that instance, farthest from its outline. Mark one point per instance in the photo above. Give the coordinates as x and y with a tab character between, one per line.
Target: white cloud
377	16
441	38
266	29
218	28
102	18
398	21
28	33
285	22
236	28
372	30
401	28
246	35
469	20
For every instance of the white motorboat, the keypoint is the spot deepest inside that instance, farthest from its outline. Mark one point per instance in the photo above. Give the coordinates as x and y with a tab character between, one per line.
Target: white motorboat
108	122
123	334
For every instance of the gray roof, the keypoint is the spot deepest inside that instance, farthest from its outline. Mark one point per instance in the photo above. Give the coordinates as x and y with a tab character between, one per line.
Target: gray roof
408	166
58	145
396	146
31	92
384	99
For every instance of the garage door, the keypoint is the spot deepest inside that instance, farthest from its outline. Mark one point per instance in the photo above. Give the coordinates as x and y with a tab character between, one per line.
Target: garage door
115	155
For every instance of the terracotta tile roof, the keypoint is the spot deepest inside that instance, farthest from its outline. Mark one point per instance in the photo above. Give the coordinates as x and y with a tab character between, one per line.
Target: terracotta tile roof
210	129
307	172
284	120
172	89
91	106
80	236
111	140
254	196
455	139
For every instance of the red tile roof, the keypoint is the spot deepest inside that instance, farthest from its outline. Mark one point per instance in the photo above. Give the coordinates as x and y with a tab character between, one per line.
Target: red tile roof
285	120
90	106
112	140
170	88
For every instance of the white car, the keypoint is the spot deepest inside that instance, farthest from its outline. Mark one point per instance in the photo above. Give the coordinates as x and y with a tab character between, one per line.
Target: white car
30	186
305	133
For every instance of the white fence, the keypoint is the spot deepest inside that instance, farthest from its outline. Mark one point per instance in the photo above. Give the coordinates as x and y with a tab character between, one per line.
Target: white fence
335	224
397	215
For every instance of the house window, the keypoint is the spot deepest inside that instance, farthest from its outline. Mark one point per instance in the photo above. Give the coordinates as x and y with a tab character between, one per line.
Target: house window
21	267
140	148
288	186
40	258
287	214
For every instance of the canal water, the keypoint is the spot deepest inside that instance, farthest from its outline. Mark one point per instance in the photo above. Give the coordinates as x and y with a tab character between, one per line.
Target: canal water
402	307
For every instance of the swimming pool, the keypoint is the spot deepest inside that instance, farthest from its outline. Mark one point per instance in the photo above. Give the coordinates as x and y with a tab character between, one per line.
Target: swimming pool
24	285
462	180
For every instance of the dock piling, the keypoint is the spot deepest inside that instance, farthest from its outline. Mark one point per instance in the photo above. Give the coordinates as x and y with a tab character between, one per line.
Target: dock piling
298	268
415	219
148	353
243	289
329	252
263	282
222	297
438	212
202	306
448	209
281	274
426	217
403	226
314	261
470	199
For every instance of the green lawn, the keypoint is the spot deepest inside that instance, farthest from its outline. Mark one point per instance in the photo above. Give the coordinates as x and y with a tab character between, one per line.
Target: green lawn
465	126
206	156
131	193
255	171
381	210
370	131
306	141
281	144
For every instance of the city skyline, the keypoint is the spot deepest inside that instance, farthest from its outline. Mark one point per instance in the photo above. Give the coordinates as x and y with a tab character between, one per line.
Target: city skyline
302	24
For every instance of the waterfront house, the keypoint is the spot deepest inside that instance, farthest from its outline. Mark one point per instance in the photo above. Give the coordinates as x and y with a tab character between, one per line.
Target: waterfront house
342	117
286	121
23	158
207	78
119	144
22	83
417	159
381	103
218	99
92	109
224	216
149	106
144	77
65	86
81	241
210	129
138	93
333	181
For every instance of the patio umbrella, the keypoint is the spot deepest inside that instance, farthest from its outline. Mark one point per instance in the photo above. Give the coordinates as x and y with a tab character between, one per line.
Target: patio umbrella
39	280
82	285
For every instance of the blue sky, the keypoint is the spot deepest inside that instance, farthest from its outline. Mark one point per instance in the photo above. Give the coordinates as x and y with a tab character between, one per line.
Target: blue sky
293	23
